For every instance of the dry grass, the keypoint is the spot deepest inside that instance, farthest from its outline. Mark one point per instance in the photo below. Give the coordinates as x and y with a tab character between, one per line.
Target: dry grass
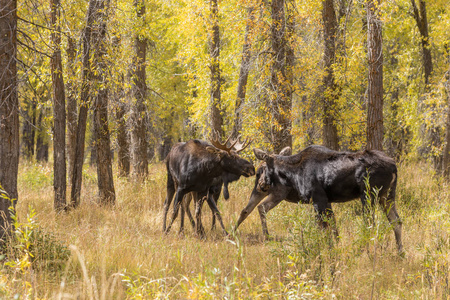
121	252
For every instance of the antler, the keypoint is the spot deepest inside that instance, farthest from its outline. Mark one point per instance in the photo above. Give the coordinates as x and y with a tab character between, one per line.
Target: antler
241	146
215	142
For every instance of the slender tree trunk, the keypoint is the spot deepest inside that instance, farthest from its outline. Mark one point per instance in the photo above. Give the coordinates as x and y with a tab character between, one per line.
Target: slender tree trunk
446	154
120	112
433	132
28	130
123	159
105	181
59	111
9	111
92	146
375	79
420	15
71	106
41	139
138	140
104	163
280	101
290	56
214	54
91	25
243	76
331	90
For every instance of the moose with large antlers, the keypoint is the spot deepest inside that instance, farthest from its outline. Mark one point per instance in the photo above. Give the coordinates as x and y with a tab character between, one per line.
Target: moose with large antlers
192	166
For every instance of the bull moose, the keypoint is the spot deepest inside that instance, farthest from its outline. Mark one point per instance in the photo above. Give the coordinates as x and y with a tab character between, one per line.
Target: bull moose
192	166
324	176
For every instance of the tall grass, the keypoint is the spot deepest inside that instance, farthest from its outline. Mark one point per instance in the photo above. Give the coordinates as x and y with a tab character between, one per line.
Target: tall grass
121	253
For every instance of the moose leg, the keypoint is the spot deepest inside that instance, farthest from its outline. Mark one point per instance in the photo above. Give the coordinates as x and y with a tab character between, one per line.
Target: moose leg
187	202
264	208
216	195
255	199
198	215
326	217
176	205
169	197
213	221
182	207
212	205
394	219
325	214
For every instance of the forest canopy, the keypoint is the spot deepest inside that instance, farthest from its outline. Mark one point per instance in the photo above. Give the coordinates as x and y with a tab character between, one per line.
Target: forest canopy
178	68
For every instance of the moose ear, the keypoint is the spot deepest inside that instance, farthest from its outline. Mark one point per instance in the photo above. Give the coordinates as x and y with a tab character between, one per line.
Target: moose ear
214	150
261	155
286	151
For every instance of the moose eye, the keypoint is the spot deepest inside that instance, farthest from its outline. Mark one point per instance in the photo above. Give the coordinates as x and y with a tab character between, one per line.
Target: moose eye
282	176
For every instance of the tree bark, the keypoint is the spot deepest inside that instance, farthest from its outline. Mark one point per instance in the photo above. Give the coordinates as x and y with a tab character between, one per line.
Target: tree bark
280	100
446	154
9	112
94	10
105	180
138	140
28	129
214	54
331	90
71	106
123	159
243	76
432	134
420	15
59	111
41	139
104	163
92	147
375	77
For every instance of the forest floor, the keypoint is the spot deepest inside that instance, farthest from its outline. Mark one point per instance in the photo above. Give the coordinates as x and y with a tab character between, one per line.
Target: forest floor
96	252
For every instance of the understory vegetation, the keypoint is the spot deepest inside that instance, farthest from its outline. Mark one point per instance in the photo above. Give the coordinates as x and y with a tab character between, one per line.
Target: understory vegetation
96	252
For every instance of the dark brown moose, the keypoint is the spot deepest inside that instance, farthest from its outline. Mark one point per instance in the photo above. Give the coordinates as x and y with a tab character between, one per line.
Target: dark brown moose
324	176
192	166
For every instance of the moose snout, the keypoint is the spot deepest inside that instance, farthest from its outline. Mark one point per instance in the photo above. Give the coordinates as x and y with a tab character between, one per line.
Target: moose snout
249	171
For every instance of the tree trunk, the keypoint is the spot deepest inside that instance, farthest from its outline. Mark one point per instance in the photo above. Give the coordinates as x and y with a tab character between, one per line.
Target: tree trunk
28	129
92	147
280	101
420	15
123	159
9	111
330	89
104	163
214	54
138	140
120	111
432	134
105	180
243	76
59	111
71	106
446	154
94	10
375	77
41	139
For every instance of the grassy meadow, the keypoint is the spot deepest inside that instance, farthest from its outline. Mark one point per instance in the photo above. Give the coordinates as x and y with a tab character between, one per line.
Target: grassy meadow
96	252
